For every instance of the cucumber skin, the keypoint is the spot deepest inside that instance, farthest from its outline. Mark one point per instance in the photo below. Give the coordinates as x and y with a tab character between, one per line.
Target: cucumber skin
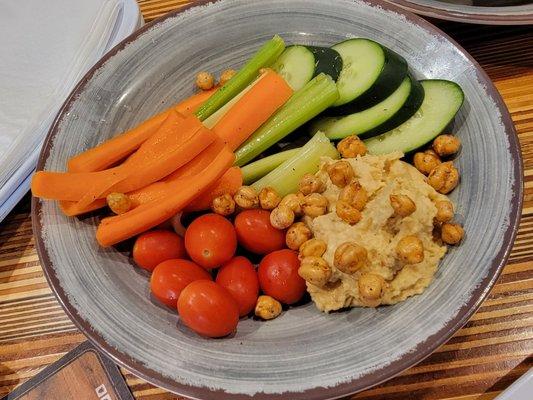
327	60
392	75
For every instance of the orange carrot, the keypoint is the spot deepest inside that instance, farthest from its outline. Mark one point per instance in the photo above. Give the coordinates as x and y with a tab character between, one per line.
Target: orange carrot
269	93
119	147
179	193
71	208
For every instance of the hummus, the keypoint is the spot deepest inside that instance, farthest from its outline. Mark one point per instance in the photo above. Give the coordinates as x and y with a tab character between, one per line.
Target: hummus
379	231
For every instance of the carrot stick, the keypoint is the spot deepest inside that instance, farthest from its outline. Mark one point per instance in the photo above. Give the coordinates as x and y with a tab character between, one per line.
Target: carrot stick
180	192
119	147
266	95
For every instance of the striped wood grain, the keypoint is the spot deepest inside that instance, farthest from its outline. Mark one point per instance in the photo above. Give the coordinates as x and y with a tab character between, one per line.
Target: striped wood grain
480	361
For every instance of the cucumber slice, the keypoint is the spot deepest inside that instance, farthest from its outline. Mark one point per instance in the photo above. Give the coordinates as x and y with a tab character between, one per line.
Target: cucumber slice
327	60
384	116
257	169
370	73
296	65
441	102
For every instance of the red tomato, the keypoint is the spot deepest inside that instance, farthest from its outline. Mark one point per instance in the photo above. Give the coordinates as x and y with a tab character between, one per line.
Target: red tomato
154	247
278	276
238	277
256	234
172	276
210	240
208	309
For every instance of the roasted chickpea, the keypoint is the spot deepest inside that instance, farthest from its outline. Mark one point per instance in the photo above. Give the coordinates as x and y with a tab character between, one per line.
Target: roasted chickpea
223	205
446	145
444	177
297	235
310	183
444	211
313	247
351	146
410	250
268	198
402	204
246	197
267	307
347	212
341	173
119	203
315	270
281	217
349	257
205	80
452	233
425	162
227	75
294	202
371	288
354	194
314	204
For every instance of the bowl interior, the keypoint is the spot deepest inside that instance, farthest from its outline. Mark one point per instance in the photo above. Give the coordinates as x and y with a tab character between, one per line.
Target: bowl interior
303	350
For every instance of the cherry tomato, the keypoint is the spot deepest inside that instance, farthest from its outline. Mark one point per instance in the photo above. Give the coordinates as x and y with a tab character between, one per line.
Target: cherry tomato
256	234
208	309
154	247
238	277
172	276
210	240
278	276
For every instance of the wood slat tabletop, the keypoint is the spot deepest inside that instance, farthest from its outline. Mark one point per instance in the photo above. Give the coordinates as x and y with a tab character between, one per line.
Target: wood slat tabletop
493	349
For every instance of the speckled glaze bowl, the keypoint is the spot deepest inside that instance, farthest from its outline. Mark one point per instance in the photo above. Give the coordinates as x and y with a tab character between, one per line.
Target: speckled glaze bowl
303	354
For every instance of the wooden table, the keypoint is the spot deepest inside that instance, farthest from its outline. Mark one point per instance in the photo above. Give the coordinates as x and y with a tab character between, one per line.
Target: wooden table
481	360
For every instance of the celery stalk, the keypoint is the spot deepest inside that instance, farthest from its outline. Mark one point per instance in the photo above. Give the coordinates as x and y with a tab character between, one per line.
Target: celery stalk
259	168
284	179
317	95
265	56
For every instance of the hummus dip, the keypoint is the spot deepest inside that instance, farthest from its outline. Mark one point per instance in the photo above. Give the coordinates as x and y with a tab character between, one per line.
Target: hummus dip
379	231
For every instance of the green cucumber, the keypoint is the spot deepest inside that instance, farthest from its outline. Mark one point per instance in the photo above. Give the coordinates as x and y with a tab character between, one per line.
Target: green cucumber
384	116
327	61
441	102
304	104
264	57
370	73
257	169
284	179
296	65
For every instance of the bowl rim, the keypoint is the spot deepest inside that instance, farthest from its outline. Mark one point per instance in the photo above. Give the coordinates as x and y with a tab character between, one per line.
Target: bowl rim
423	350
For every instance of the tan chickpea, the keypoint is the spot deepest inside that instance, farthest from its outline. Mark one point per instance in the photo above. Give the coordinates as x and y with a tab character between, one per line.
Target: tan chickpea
297	235
410	250
452	233
310	183
349	257
446	145
351	146
444	177
354	194
294	202
371	288
268	198
341	173
444	211
312	248
246	197
402	204
425	162
267	307
223	205
119	203
281	217
205	80
315	270
314	204
227	75
347	212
